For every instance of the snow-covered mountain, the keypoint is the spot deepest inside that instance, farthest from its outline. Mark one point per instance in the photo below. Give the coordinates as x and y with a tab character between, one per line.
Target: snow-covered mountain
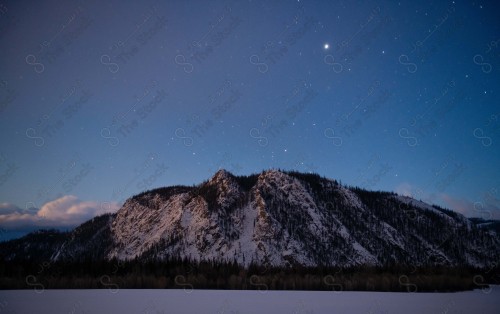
273	218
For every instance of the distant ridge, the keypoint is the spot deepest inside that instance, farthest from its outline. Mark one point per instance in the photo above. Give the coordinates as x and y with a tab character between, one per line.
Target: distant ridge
273	218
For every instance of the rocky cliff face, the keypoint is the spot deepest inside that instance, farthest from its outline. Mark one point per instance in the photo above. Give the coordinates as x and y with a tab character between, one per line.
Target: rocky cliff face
279	218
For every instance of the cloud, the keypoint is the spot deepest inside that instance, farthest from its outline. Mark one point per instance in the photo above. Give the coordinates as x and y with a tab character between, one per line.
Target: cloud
463	206
407	189
404	189
8	208
484	208
487	206
67	211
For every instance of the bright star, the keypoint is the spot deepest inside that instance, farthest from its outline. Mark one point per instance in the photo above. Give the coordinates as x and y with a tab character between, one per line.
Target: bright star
327	46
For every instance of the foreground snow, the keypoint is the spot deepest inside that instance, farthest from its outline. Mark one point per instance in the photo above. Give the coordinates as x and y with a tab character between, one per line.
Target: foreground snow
222	302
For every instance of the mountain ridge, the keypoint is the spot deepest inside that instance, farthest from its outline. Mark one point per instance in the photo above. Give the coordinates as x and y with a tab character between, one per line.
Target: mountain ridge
275	218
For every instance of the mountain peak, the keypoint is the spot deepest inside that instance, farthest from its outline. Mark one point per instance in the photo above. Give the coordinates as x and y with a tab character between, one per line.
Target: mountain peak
222	177
222	173
273	173
277	218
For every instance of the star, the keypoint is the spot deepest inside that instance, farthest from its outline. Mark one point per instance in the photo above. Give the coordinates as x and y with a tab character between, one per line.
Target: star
326	46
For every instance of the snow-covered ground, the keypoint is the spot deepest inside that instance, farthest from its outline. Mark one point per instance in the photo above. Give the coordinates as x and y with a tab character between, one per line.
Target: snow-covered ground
230	302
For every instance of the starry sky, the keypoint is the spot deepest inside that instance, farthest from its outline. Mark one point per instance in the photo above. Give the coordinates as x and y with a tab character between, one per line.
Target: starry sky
100	101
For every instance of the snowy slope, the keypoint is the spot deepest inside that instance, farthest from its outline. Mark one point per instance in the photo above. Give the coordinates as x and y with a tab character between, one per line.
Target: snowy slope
279	218
286	219
486	301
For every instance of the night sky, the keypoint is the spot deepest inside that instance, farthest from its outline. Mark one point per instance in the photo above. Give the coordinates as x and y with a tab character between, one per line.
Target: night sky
100	101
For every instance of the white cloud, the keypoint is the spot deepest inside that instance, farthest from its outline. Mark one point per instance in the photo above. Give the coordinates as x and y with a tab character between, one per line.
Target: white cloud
66	211
8	208
482	208
487	206
407	189
462	206
404	189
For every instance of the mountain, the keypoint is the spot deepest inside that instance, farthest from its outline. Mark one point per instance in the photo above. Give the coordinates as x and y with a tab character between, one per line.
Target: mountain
273	218
488	224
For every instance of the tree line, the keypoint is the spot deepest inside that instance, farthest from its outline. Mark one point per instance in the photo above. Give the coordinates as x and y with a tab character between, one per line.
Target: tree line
188	275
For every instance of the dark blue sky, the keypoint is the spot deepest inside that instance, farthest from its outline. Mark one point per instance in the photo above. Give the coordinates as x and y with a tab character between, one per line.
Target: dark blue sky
99	102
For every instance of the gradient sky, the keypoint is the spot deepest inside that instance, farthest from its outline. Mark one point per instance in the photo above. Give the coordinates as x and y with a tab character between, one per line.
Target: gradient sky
100	101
